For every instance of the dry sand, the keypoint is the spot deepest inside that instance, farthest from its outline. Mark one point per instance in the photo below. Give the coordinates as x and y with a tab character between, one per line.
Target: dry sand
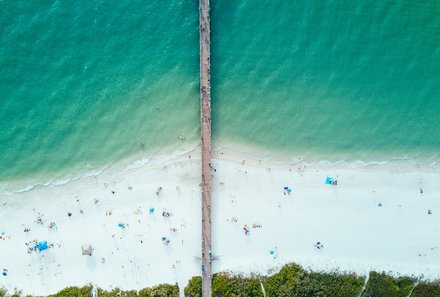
356	233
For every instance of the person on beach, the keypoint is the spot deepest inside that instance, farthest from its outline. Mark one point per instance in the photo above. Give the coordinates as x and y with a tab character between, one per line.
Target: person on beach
166	214
52	225
246	229
233	219
165	240
319	245
39	219
5	272
273	252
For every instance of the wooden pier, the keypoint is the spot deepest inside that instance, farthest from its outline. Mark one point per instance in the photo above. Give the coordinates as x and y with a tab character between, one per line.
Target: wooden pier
205	112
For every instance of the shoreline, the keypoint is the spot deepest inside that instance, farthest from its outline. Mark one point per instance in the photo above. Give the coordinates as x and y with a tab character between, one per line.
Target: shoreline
240	152
21	185
285	157
358	235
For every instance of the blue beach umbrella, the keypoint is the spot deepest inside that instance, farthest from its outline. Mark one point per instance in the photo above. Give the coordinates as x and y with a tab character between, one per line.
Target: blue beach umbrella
151	209
42	246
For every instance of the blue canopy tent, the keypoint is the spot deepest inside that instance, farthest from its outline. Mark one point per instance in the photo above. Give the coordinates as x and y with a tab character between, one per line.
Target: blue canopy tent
42	245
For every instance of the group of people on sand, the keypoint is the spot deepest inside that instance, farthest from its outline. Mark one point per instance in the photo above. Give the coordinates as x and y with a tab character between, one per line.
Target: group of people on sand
3	236
247	230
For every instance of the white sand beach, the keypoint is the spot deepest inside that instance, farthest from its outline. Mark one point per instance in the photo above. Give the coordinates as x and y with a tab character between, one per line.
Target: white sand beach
374	218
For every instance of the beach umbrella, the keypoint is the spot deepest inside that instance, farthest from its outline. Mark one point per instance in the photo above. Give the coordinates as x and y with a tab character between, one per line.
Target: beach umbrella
151	209
42	246
86	249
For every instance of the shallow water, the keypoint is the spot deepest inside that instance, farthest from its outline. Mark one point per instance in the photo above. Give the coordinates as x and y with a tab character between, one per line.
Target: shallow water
334	79
87	84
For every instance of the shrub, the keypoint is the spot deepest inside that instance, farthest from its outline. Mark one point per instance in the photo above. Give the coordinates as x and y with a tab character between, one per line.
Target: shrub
284	282
224	284
3	292
427	290
194	287
294	281
74	292
382	285
163	290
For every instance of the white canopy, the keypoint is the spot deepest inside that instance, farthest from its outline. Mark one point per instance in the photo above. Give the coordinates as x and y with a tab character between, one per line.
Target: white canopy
87	249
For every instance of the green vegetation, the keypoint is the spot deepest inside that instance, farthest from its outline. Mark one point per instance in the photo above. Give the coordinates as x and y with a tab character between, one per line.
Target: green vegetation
427	290
74	291
4	293
382	285
194	287
160	291
163	290
292	280
116	293
224	284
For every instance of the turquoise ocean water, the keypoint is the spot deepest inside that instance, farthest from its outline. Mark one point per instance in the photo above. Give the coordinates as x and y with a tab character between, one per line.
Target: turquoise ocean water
85	84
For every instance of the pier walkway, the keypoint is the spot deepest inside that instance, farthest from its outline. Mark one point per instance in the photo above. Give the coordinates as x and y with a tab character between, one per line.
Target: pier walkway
205	112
